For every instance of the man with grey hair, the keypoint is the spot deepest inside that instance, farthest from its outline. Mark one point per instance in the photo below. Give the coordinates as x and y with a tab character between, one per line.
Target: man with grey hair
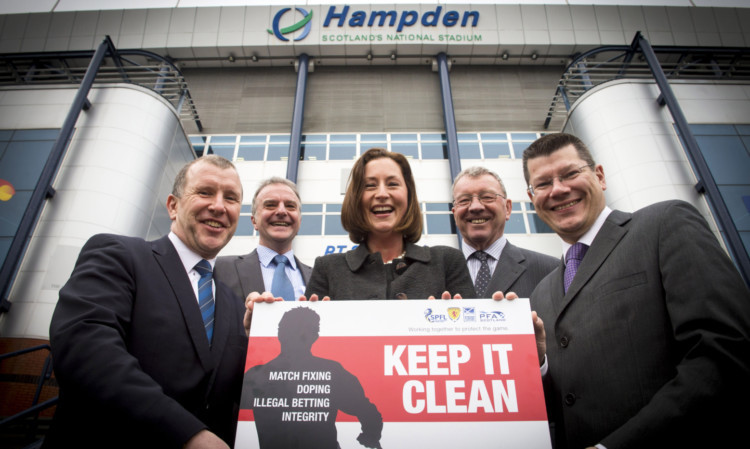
481	208
272	267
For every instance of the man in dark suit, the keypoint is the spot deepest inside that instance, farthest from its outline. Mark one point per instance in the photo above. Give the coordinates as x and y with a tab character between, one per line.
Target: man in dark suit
148	350
648	342
481	209
276	217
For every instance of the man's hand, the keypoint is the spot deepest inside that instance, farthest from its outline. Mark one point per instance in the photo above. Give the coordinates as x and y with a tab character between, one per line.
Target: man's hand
446	295
250	301
205	440
313	297
498	295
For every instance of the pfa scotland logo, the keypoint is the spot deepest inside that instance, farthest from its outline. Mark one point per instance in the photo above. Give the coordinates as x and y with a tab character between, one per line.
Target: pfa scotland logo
303	24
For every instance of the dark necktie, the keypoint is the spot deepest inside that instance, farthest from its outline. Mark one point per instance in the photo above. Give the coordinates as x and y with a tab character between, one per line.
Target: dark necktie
281	285
572	261
483	275
206	296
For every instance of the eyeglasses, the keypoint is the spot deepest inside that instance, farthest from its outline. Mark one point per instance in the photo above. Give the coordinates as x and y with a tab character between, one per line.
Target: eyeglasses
546	184
484	198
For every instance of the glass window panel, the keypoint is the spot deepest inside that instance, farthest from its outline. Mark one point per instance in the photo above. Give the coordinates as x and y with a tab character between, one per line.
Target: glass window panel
537	226
463	137
12	211
223	139
313	152
311	207
333	225
373	138
713	130
518	148
226	151
469	150
314	137
440	224
253	139
409	150
244	225
197	139
343	137
342	151
515	225
36	134
278	152
251	152
737	199
743	130
403	137
517	207
433	137
246	209
366	146
3	146
726	157
523	136
311	225
23	162
333	207
438	207
494	136
434	150
5	243
5	134
496	150
279	138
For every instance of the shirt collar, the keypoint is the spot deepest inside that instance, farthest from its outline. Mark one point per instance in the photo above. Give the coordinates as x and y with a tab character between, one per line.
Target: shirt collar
266	255
588	237
495	249
188	257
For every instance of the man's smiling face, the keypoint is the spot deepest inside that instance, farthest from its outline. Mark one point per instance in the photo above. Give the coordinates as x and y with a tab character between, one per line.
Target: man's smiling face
277	217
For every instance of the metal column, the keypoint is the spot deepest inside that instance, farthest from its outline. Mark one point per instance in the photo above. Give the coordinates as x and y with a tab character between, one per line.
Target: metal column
706	183
295	139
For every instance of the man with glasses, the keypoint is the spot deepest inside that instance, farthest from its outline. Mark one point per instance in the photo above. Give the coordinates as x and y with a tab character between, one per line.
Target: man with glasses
481	209
647	320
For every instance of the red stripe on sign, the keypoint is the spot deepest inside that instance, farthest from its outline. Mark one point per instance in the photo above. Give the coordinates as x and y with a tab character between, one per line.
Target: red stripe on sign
426	378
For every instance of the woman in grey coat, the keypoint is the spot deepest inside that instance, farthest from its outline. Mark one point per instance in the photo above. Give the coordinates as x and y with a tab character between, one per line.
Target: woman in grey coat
381	213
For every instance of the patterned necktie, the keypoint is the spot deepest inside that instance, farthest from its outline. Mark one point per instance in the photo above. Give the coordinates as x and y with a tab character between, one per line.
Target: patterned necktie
281	285
206	296
483	275
572	261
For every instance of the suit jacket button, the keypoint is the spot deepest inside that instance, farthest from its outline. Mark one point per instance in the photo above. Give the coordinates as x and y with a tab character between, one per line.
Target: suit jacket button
564	342
570	399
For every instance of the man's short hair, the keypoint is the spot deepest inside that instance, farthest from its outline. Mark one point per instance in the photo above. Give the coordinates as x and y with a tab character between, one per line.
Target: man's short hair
548	144
275	180
475	172
178	187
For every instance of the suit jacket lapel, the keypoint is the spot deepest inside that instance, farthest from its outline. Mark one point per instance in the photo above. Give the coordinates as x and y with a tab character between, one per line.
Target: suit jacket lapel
171	265
249	274
612	231
507	270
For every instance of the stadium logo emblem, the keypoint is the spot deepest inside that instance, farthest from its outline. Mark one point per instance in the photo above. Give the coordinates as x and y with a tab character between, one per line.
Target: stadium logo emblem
303	24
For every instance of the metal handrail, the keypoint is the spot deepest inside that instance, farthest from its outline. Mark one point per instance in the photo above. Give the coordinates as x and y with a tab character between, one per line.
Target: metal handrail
45	375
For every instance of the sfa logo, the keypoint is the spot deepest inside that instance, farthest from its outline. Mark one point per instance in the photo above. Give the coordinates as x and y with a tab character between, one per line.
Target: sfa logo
359	19
304	24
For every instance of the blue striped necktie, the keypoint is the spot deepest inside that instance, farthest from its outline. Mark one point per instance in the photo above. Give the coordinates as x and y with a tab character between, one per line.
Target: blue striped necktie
206	296
281	285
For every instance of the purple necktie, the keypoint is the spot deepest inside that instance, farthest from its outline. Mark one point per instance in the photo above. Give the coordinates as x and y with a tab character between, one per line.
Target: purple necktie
572	261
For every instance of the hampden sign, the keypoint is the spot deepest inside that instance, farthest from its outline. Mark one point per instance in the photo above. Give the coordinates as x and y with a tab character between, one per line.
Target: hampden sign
379	26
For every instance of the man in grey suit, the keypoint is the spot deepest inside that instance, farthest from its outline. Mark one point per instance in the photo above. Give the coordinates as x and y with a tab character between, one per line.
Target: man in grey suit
276	217
481	209
648	340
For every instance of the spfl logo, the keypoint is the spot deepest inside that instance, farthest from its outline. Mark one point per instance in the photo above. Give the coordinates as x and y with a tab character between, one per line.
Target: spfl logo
493	316
434	317
304	24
